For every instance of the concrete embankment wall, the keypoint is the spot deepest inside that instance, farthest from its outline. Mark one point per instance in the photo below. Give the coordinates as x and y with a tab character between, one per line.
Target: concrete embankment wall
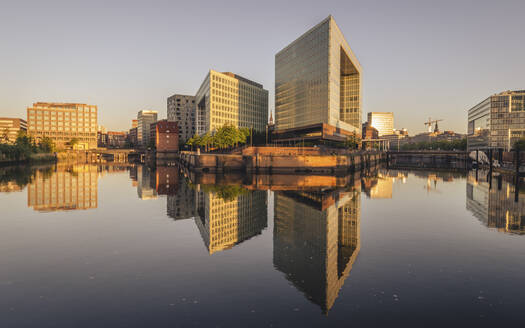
280	163
428	159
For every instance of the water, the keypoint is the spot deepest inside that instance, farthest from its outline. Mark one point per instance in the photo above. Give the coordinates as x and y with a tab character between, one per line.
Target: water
127	246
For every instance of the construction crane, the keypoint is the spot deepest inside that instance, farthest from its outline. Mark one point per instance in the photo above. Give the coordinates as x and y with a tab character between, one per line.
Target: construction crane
430	122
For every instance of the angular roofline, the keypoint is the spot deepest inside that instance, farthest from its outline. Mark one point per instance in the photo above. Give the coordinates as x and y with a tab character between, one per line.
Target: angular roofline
304	34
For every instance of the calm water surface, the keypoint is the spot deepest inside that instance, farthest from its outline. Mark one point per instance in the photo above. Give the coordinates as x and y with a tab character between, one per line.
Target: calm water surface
128	246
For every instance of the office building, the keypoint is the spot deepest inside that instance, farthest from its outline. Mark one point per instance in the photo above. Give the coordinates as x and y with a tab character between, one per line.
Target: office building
225	222
116	139
66	189
369	132
317	240
64	122
317	87
382	121
497	122
181	109
10	127
230	99
144	119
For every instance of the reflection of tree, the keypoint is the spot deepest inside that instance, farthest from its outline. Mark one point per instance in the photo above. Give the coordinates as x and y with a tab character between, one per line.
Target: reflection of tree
22	175
225	192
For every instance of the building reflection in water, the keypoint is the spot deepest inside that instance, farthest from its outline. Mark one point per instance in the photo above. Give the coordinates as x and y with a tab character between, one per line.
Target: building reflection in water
67	188
317	240
229	215
380	186
146	182
496	202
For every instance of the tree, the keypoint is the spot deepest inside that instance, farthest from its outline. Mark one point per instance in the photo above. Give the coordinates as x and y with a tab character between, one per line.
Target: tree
47	145
352	142
520	144
5	136
73	142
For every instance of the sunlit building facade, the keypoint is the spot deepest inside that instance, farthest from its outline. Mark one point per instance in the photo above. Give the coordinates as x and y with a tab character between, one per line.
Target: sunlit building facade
382	121
144	120
181	109
226	222
497	122
63	122
230	99
318	86
317	241
65	189
10	127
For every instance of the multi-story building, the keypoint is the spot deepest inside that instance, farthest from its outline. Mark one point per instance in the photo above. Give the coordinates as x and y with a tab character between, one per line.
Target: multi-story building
64	122
116	139
316	240
166	136
226	222
144	119
134	123
369	132
181	109
382	121
230	99
10	127
497	122
66	189
317	87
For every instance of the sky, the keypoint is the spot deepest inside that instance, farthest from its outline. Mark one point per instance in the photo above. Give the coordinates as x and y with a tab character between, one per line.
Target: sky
420	59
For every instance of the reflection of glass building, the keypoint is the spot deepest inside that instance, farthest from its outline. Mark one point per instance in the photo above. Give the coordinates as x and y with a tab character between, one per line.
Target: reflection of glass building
497	122
495	205
226	222
146	183
316	241
318	86
73	188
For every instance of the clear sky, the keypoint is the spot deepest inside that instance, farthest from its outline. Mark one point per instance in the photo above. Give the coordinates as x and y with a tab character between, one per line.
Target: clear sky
420	59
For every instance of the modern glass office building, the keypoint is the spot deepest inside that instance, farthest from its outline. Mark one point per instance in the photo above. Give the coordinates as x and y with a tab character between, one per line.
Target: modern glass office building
497	122
318	86
382	121
230	99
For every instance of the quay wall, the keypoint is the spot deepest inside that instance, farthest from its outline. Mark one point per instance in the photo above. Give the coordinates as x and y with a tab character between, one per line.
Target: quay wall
279	162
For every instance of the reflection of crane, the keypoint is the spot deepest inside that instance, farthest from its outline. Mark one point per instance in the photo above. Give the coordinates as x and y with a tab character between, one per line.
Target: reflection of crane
430	122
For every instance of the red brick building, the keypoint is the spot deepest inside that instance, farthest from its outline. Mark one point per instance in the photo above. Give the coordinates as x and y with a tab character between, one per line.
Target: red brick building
166	136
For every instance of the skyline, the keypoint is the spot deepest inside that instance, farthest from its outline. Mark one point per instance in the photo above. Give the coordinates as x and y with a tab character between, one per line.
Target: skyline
132	59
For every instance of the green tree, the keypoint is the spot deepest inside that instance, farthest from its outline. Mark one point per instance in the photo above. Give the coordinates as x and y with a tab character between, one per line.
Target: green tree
520	144
47	145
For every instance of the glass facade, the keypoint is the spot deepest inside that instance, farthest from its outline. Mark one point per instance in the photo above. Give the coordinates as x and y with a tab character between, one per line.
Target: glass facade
318	80
382	121
229	99
497	122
